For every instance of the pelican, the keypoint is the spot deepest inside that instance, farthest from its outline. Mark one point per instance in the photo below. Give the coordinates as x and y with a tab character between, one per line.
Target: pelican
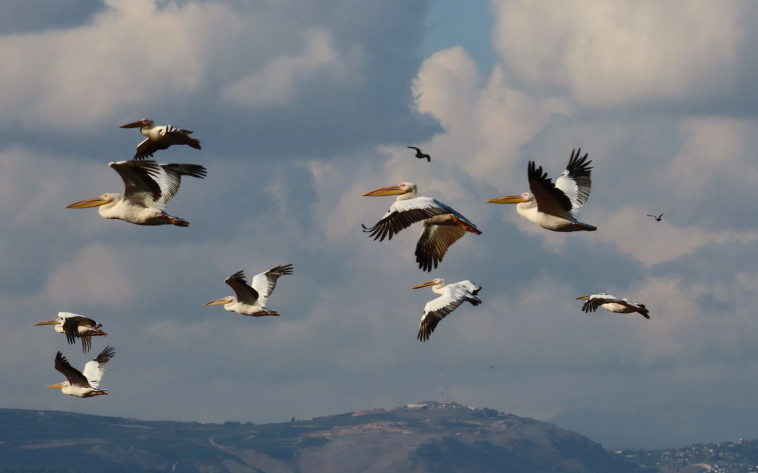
76	326
443	226
86	383
612	303
251	300
555	206
159	137
451	296
421	155
657	218
148	186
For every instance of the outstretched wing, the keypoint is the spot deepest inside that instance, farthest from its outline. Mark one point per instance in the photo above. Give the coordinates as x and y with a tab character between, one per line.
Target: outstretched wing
575	181
242	290
94	369
438	234
404	213
265	282
436	309
73	375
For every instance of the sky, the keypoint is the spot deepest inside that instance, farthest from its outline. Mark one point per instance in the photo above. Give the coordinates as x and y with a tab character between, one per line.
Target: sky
303	106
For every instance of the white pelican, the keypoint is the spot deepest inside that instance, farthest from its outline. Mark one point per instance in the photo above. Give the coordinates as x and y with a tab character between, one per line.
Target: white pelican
76	326
421	155
451	296
555	206
612	303
656	217
251	300
148	186
443	226
86	383
160	137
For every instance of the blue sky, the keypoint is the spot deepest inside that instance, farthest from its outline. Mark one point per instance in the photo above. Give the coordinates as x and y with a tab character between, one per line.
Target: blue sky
301	107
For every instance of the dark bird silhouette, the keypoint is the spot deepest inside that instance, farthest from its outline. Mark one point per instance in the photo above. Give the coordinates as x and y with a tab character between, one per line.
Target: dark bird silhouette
658	218
421	155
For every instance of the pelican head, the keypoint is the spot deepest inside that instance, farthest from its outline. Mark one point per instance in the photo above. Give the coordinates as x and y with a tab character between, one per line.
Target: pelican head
405	190
106	198
512	199
225	300
145	122
433	282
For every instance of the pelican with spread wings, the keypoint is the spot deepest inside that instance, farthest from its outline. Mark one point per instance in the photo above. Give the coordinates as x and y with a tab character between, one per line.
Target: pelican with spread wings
83	383
555	206
451	296
442	225
613	304
148	186
251	299
76	326
160	137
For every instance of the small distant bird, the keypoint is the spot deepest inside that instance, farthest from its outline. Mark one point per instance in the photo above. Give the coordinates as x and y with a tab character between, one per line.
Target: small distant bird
251	300
76	326
451	296
555	206
421	155
613	304
658	218
86	383
148	186
160	137
443	226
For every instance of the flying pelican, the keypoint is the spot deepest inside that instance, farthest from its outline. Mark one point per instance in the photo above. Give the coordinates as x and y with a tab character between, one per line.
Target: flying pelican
443	226
148	186
421	155
159	137
86	383
76	326
657	218
451	296
251	300
555	206
612	303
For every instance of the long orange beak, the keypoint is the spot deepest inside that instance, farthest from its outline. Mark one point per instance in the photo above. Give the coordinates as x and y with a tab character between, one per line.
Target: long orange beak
86	203
382	191
47	322
137	124
507	199
428	283
583	298
217	302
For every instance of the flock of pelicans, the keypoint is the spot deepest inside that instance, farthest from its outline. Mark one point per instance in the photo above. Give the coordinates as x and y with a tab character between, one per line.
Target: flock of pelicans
148	187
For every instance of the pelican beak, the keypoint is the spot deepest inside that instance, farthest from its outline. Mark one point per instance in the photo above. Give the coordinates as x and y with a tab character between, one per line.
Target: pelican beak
583	298
47	322
428	283
390	190
217	302
137	124
507	199
55	386
86	203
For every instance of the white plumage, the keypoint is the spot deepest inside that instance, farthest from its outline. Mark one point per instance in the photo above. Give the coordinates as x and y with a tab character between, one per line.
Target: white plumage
87	382
76	326
451	296
613	304
442	225
555	206
251	300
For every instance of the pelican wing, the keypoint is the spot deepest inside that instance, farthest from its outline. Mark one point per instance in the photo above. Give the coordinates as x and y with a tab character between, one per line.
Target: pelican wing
438	234
171	178
73	375
575	181
140	181
71	329
94	369
242	290
265	282
404	213
435	310
634	306
169	135
597	300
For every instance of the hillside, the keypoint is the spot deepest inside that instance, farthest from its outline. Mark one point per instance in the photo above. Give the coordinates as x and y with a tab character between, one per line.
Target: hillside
427	437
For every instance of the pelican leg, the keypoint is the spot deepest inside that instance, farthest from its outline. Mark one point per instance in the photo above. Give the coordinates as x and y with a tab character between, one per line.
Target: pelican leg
467	226
175	220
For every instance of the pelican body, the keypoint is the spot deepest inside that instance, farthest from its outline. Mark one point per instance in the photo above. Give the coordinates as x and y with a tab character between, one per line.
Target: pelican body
148	186
159	137
251	299
83	383
613	304
76	326
555	206
442	225
451	296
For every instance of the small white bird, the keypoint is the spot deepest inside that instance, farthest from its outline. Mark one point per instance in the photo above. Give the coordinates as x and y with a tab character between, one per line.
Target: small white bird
443	225
86	383
451	296
76	326
613	304
555	206
251	300
148	186
160	137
